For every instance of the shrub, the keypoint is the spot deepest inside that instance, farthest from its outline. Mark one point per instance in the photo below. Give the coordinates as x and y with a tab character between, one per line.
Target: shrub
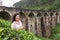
7	34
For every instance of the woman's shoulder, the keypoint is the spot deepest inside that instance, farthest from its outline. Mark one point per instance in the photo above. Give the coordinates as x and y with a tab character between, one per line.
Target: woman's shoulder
13	23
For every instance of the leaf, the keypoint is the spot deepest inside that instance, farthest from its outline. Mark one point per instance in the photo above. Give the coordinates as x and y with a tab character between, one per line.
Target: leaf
6	38
1	29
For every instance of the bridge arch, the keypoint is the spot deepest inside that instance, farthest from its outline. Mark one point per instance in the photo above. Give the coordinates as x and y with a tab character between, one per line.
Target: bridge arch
51	14
39	14
45	14
31	14
7	12
22	15
5	15
57	13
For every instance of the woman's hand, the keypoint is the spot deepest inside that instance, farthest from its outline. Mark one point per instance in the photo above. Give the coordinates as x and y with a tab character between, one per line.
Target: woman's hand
20	28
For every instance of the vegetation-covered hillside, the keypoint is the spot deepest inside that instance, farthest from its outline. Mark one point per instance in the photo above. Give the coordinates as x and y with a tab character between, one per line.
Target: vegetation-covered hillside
39	4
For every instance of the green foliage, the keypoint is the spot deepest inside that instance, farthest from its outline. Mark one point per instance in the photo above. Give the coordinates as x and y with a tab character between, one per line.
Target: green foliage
4	23
55	34
6	33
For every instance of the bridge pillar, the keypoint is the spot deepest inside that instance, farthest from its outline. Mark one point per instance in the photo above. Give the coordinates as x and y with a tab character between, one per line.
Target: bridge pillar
52	19
26	26
47	27
27	21
39	31
57	17
31	23
43	25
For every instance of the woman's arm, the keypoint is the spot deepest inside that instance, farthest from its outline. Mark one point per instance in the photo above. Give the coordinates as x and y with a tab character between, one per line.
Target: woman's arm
22	27
12	26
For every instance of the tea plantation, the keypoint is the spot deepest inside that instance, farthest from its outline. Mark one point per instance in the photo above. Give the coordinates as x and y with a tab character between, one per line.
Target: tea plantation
7	34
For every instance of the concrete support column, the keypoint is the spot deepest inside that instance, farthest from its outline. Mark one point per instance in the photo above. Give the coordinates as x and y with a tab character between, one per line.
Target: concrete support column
47	27
43	25
49	19
39	31
35	25
31	23
52	19
26	22
57	17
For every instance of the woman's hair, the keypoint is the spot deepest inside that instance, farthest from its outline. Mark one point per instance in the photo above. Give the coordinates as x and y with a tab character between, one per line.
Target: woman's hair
13	19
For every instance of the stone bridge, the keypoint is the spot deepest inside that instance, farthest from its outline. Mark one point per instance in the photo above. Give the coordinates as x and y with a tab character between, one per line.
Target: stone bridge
36	21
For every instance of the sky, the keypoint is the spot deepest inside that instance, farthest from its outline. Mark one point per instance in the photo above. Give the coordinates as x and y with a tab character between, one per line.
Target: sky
9	3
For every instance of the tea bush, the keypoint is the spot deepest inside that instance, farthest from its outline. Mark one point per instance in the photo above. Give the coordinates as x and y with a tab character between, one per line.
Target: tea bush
6	33
55	34
4	23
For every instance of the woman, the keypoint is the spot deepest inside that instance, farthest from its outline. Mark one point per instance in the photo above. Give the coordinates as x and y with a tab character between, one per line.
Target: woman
16	22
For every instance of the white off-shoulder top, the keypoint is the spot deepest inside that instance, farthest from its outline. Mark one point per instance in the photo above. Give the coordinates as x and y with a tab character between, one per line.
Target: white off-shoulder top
16	25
